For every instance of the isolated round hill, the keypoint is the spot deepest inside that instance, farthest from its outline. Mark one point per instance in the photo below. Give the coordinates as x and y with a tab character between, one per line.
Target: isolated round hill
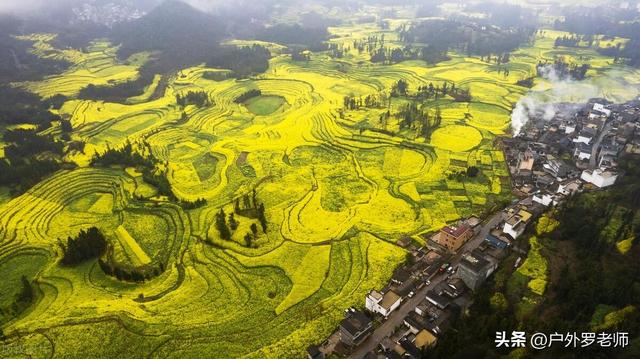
456	138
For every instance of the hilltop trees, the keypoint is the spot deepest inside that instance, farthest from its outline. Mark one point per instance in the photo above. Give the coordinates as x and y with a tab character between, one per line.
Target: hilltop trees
244	61
295	34
400	88
474	39
221	225
19	106
248	95
369	101
197	98
23	164
245	206
414	112
419	119
86	245
563	69
141	158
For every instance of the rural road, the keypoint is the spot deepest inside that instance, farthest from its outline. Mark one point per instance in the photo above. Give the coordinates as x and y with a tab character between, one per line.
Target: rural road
408	305
596	145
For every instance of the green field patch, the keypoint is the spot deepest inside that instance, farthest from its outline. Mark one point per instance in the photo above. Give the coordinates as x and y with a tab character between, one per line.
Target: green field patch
98	203
264	105
206	166
13	267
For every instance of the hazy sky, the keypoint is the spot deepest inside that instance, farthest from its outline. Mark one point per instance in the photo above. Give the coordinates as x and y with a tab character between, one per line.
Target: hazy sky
22	6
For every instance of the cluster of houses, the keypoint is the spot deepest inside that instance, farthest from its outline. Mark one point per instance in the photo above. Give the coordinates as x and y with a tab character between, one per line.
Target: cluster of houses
445	300
579	146
551	160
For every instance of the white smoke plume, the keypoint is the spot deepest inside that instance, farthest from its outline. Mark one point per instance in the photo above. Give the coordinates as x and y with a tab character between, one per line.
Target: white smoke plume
543	99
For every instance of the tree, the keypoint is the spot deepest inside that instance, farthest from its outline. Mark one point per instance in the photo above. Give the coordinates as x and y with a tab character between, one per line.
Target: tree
233	223
262	218
472	171
254	229
402	86
221	225
248	238
65	126
26	294
87	245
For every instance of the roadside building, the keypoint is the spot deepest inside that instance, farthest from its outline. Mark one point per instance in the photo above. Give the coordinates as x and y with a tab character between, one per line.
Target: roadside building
421	309
313	352
440	301
401	275
457	284
475	268
425	339
407	349
600	110
452	238
586	135
525	163
569	127
355	328
404	242
383	304
497	240
517	223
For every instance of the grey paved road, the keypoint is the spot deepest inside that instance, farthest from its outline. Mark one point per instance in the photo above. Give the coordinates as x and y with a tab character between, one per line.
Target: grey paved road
596	145
396	318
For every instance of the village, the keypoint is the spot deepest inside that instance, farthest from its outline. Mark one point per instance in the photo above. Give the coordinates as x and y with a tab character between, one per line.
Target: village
550	160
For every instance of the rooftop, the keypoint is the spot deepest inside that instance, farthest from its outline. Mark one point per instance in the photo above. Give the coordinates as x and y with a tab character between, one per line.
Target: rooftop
388	299
425	338
438	299
521	216
474	261
355	322
456	231
375	295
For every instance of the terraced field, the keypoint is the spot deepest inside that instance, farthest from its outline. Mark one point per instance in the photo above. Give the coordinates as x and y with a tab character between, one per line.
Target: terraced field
337	198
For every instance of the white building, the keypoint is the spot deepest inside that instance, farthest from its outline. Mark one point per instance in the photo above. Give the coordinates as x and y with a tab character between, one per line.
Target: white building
584	137
544	198
569	187
383	304
599	177
583	154
515	225
602	108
